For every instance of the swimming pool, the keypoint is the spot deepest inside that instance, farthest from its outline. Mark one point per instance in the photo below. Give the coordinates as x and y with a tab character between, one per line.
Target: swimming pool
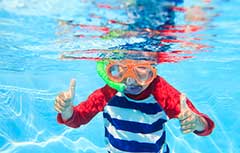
34	34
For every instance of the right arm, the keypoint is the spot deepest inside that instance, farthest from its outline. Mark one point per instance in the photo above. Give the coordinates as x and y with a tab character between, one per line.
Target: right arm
86	110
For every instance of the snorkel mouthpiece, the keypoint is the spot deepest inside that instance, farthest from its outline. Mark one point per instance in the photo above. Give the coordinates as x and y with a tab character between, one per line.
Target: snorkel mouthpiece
101	65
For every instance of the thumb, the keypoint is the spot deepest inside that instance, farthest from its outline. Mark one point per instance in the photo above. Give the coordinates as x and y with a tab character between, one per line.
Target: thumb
183	104
71	90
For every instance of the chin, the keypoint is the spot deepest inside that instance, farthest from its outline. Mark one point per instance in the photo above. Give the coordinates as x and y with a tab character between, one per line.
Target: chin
132	93
134	90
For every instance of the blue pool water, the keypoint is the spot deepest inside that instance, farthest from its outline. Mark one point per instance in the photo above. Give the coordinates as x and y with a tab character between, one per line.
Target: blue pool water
34	34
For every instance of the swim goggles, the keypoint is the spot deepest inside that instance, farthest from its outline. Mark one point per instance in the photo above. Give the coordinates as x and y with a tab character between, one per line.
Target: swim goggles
142	71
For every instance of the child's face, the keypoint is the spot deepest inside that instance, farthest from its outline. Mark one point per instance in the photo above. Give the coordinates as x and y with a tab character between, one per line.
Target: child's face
136	75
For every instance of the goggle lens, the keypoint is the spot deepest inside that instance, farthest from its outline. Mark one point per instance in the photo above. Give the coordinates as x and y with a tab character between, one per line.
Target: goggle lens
116	72
143	74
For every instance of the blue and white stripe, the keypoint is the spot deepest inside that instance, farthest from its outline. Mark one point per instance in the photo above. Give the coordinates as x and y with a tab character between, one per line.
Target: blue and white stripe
134	126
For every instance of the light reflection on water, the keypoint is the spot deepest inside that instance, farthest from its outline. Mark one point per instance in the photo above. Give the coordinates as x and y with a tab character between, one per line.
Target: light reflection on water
34	34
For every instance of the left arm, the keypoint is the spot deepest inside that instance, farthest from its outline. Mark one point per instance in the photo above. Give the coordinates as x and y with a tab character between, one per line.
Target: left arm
169	99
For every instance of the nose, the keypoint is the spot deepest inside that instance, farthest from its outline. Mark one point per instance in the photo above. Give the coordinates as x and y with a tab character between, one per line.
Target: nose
130	81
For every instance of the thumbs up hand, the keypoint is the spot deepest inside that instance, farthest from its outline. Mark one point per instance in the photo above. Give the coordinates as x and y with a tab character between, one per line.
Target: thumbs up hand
63	102
189	120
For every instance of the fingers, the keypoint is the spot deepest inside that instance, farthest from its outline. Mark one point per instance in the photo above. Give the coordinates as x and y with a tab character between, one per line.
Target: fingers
188	127
61	107
189	122
63	96
187	117
62	102
58	108
185	131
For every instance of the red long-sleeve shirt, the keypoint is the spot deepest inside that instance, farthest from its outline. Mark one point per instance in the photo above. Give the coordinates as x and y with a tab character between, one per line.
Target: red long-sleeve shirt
166	95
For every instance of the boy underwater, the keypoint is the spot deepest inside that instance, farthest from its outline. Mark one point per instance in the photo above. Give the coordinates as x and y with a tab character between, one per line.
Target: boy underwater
136	103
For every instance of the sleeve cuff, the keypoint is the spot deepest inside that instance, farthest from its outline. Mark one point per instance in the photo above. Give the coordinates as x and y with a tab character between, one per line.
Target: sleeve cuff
208	129
69	122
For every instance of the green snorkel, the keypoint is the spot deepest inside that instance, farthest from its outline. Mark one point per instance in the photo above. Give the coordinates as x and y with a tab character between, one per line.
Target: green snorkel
103	74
